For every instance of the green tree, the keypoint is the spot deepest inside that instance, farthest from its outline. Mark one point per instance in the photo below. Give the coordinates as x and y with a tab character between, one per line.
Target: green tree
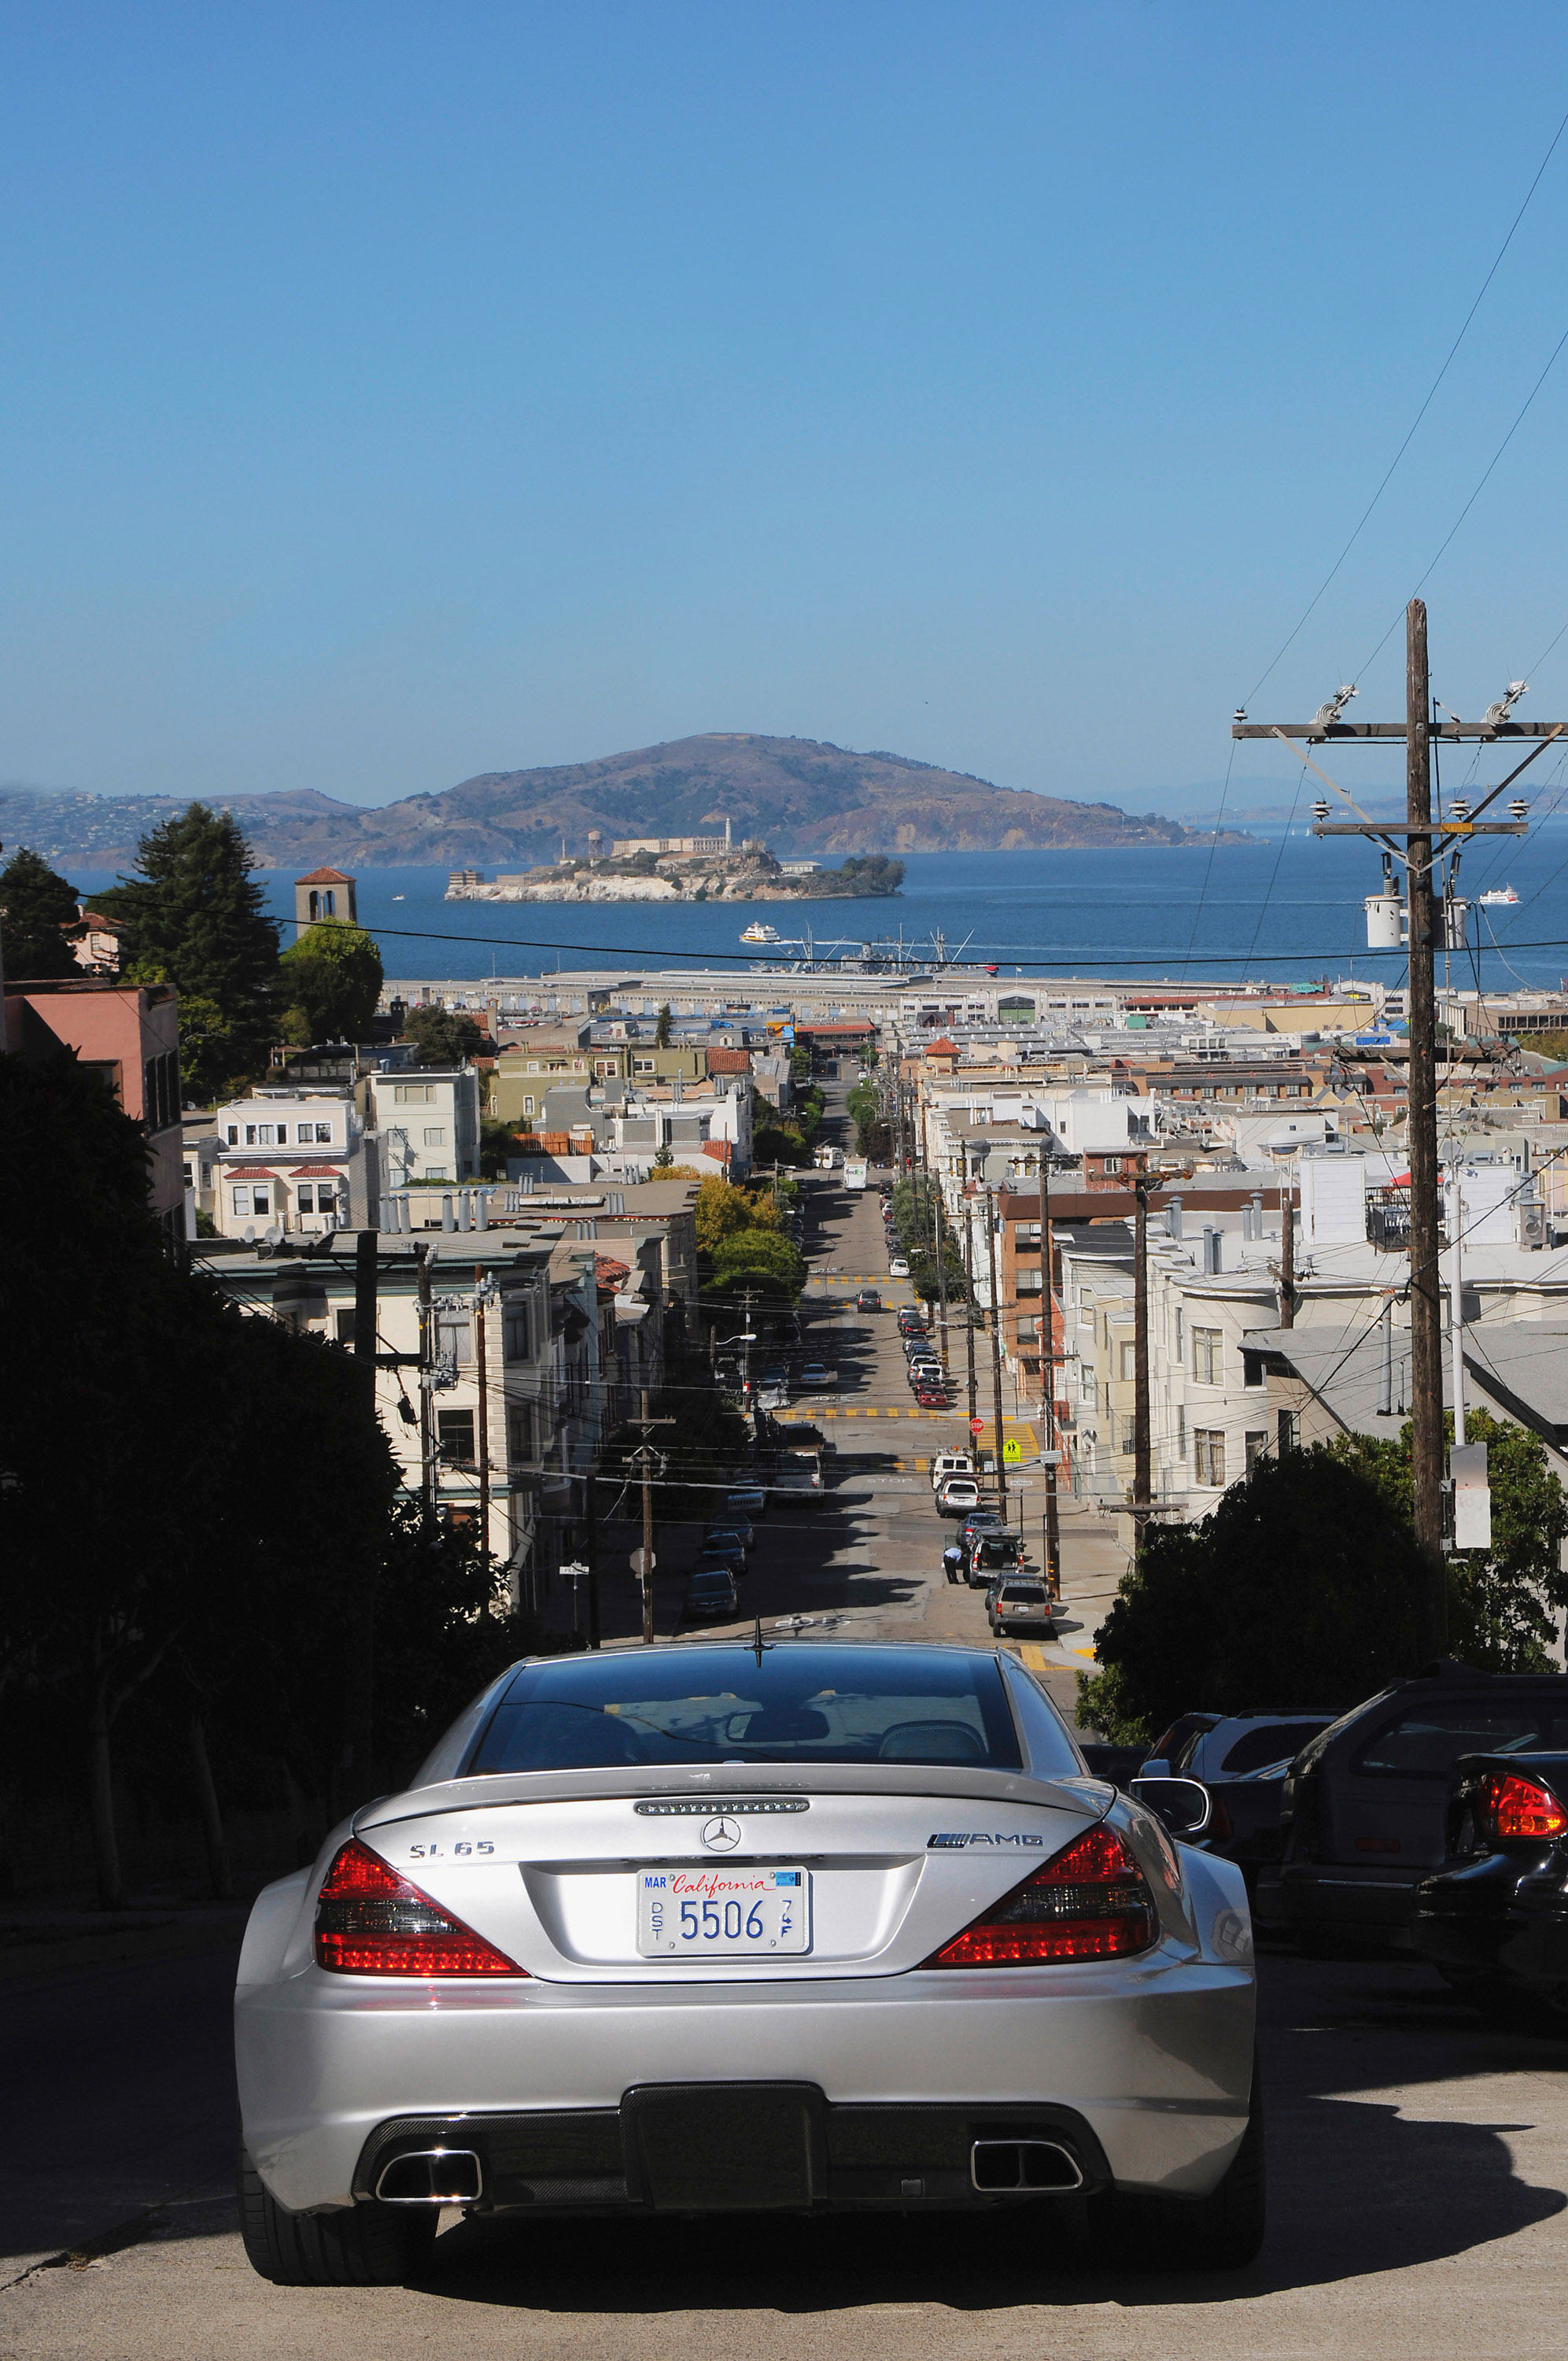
444	1036
1302	1588
212	1059
662	1030
722	1211
194	918
758	1254
330	981
1503	1603
35	903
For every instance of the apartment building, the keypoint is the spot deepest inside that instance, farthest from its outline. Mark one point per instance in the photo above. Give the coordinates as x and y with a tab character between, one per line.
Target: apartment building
428	1121
290	1160
128	1035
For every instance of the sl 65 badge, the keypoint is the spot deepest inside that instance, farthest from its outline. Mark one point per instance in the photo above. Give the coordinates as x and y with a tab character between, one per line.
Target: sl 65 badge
456	1852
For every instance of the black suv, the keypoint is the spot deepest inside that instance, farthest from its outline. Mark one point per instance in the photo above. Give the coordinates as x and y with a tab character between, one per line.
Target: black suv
1365	1802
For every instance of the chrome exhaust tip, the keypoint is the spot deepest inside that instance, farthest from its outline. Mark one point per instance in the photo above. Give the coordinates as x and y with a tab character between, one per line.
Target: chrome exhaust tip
1001	2167
431	2176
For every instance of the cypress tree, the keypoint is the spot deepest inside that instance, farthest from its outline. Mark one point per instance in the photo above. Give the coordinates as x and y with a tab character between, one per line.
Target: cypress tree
197	921
35	903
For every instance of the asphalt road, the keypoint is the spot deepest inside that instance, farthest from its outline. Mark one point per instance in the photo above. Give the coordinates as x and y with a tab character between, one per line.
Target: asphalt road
1417	2162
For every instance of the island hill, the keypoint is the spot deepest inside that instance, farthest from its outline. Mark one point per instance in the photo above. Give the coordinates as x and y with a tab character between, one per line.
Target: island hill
681	869
801	795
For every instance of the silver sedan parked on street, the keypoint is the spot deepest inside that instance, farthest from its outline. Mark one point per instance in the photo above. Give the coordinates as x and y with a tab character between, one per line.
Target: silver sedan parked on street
719	1927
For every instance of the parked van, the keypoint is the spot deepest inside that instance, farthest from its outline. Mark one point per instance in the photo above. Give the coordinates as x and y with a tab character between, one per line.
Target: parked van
949	1463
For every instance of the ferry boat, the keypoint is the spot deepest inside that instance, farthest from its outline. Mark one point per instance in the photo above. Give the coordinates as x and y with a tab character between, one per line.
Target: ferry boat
1498	897
757	933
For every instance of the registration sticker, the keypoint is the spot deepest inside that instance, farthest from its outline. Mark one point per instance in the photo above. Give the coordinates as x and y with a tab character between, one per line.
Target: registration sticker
709	1914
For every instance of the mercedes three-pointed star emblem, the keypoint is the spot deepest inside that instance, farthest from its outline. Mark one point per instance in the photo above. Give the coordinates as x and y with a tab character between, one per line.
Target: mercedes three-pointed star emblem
721	1835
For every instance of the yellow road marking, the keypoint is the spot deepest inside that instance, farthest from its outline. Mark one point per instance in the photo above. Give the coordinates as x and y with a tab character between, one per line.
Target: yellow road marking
1030	1653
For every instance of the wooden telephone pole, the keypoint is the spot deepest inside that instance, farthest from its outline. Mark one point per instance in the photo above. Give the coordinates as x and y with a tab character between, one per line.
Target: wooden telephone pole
1142	1455
1424	843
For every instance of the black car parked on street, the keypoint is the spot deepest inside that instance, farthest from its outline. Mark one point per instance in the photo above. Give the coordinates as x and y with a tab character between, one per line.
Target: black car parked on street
1365	1810
1494	1923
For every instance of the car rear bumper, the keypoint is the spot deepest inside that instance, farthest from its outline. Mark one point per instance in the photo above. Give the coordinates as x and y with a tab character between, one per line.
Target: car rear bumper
1152	2058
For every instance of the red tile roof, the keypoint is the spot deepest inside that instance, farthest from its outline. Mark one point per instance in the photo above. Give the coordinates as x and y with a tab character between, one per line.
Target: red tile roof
729	1062
316	1172
249	1172
325	877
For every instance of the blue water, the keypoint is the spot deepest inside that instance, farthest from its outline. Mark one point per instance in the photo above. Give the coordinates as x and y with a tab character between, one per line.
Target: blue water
1288	909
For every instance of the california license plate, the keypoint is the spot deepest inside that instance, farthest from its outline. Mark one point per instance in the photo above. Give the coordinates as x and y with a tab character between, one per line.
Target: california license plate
709	1914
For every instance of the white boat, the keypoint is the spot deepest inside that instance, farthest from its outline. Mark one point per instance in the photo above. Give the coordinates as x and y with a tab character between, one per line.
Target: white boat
757	933
400	897
1498	897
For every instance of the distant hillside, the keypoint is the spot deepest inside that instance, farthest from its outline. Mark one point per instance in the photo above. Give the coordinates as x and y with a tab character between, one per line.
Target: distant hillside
802	796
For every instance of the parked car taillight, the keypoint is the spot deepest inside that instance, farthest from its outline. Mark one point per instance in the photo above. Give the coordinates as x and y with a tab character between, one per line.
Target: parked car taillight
1089	1902
372	1922
1511	1807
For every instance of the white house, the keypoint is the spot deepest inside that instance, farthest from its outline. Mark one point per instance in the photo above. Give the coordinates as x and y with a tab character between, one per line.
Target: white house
291	1159
428	1121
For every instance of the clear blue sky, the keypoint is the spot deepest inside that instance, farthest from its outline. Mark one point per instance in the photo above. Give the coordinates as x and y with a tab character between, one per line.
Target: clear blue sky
392	393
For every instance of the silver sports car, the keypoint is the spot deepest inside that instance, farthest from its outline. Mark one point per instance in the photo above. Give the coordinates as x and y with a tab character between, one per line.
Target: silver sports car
714	1926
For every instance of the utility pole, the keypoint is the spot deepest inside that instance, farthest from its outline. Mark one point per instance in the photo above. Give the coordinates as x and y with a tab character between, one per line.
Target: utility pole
481	1304
1287	1249
941	1286
1426	1278
995	1357
426	1367
644	1458
362	1661
591	1520
1141	1483
1049	1364
1425	844
969	1307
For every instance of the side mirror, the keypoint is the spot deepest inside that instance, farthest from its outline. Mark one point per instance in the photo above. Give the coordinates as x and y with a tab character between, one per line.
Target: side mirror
1183	1806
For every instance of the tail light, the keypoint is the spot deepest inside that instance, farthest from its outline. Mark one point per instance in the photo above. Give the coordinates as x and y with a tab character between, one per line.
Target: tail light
1089	1902
372	1922
1512	1807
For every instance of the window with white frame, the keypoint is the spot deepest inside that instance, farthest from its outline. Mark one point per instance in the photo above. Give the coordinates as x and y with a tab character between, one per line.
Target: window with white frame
1208	1355
250	1135
1086	1384
453	1336
233	1135
1208	1455
251	1198
324	1131
1129	1437
411	1094
1181	1431
454	1436
435	1134
1180	1335
305	1197
1128	1354
1257	1445
515	1331
521	1439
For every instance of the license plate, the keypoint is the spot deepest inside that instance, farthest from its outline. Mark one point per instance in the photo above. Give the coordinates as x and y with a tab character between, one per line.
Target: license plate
709	1914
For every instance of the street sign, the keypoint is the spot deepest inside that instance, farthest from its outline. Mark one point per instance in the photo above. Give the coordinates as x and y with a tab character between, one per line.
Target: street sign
977	1426
1050	1458
1012	1450
637	1563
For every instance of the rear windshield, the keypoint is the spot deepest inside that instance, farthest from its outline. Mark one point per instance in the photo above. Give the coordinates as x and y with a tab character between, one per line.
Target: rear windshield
1276	1742
1425	1741
802	1705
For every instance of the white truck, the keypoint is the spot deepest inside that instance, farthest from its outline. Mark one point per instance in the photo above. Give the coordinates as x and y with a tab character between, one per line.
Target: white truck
855	1173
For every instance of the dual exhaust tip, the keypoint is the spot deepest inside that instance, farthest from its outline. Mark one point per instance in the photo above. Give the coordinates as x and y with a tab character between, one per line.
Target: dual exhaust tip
432	2176
454	2176
1008	2166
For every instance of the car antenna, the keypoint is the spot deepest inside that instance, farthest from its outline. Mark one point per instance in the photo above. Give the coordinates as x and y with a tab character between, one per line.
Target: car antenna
759	1643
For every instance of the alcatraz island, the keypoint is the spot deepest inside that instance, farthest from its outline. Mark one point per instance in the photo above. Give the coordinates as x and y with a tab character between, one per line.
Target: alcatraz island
680	869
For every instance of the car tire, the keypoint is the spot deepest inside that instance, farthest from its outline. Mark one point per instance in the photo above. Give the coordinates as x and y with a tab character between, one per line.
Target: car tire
1222	2232
359	2245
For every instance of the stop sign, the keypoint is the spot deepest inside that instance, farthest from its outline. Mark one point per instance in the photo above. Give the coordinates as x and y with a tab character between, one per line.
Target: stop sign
977	1426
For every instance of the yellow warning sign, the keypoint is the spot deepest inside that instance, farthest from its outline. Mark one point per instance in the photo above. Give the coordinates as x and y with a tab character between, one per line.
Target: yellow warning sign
1012	1450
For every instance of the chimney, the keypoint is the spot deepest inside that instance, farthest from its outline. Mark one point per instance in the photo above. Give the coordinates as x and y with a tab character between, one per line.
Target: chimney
1173	1218
1212	1264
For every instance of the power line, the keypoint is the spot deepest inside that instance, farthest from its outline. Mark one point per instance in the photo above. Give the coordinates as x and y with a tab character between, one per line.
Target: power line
1420	413
1475	496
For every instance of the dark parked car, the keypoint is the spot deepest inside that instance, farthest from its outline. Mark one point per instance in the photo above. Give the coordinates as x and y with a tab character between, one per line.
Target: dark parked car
1242	1759
868	1300
1492	1922
1365	1802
